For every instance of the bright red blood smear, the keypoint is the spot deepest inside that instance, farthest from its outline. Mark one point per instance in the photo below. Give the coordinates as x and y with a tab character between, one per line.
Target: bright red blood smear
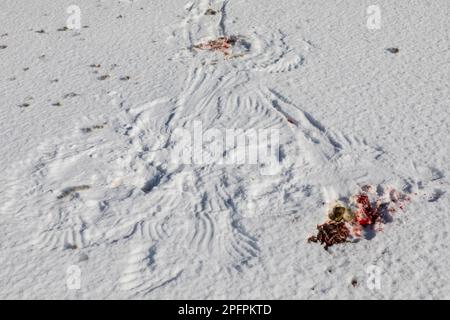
367	214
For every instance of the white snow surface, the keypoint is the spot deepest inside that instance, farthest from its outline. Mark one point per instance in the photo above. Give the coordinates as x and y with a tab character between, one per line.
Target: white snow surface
137	224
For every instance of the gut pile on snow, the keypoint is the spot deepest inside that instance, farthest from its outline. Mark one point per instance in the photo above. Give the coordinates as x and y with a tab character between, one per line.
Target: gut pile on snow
367	210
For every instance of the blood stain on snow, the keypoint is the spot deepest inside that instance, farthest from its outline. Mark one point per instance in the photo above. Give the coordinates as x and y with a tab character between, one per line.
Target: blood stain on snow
366	209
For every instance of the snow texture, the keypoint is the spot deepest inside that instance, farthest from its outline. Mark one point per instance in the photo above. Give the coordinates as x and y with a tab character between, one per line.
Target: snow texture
89	123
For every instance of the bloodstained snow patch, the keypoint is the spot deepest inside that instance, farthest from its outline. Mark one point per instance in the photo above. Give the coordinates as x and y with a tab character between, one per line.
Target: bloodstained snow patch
366	209
221	44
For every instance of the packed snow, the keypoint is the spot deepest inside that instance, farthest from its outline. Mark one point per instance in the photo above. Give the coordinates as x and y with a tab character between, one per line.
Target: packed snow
122	175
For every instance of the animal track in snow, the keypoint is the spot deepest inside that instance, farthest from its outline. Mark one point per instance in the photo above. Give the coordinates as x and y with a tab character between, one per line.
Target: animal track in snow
63	185
143	274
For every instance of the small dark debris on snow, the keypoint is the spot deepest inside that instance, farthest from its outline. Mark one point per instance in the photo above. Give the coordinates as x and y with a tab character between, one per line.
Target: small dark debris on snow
70	246
26	69
119	16
393	50
65	28
104	77
94	65
291	121
95	127
71	190
24	105
54	80
124	78
3	46
354	282
4	35
40	31
56	104
70	95
210	12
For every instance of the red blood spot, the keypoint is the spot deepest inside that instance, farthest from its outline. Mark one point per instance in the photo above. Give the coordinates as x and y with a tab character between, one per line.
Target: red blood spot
366	214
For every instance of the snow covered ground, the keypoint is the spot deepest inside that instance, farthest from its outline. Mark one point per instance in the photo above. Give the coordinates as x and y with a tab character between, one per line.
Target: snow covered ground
96	203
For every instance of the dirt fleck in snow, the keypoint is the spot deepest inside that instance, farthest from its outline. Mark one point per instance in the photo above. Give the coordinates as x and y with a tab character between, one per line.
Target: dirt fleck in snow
393	50
210	12
71	190
95	127
70	95
103	77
